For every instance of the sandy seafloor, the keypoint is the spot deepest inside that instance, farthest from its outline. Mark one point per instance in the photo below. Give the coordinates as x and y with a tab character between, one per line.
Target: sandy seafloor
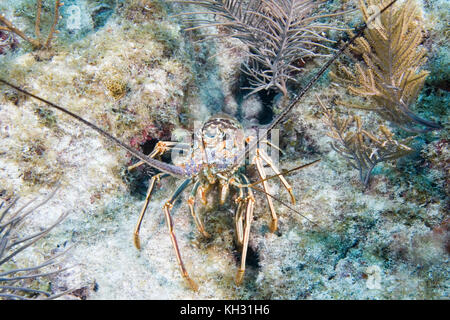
130	68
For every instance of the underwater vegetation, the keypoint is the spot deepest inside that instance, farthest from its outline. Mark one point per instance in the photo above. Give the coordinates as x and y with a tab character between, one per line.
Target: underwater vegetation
25	282
38	41
363	149
389	80
278	35
142	78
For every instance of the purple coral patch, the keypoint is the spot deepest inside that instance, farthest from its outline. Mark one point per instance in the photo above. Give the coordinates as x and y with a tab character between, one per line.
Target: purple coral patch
8	41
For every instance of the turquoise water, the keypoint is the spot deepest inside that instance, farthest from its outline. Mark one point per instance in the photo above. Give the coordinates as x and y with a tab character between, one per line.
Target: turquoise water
130	68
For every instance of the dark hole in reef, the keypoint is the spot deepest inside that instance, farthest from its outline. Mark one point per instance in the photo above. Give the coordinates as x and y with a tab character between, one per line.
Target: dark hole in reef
100	15
267	98
148	145
138	179
252	260
137	182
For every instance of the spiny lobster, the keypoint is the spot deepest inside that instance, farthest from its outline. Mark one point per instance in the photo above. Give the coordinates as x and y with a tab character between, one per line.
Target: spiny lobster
216	156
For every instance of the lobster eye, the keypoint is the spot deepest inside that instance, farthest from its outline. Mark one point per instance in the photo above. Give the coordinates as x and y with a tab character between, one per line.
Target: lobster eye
211	132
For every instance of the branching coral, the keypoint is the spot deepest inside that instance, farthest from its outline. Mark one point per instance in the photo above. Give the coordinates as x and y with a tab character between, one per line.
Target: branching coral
17	282
363	149
38	42
278	34
389	78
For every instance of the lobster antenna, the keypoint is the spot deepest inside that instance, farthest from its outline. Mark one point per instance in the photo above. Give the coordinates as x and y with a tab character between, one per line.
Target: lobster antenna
282	202
283	173
162	166
315	78
252	185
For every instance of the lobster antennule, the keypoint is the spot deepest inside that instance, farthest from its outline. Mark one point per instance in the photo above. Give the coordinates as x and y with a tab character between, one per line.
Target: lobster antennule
162	166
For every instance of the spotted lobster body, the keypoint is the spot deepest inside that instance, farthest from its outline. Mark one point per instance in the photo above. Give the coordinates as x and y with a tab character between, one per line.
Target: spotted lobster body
214	156
216	148
216	153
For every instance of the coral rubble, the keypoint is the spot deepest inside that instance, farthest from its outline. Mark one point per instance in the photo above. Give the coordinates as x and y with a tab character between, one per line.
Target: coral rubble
129	67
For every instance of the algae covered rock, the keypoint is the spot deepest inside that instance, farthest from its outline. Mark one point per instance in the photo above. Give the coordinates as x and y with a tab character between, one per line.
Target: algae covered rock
129	67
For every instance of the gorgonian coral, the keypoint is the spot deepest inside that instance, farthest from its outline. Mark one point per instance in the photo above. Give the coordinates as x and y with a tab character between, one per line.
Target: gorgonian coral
19	282
389	78
277	33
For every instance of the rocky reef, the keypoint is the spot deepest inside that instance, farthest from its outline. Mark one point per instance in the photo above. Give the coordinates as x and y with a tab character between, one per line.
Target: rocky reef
129	67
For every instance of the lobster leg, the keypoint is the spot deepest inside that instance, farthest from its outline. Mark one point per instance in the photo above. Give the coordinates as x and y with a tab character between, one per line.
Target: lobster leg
191	203
167	206
286	184
151	185
224	188
250	200
160	148
202	190
239	216
262	174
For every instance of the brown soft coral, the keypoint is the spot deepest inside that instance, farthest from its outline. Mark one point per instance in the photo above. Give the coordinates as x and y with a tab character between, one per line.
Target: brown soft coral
389	78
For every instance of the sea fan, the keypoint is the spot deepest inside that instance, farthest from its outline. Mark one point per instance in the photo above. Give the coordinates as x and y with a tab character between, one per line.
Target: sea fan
38	42
17	282
362	149
390	77
278	34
